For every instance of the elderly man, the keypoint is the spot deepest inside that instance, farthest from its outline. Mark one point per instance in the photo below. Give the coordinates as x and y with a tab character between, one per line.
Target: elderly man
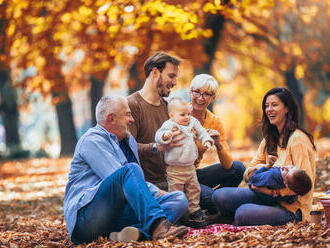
107	192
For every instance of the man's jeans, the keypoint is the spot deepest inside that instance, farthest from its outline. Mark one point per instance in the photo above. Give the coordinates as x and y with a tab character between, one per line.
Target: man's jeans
214	176
246	208
124	199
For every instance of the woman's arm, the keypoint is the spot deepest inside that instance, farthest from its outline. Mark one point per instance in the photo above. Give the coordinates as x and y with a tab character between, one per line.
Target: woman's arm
267	191
213	122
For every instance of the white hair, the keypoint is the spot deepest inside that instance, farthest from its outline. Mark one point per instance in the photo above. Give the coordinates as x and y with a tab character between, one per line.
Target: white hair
107	105
204	81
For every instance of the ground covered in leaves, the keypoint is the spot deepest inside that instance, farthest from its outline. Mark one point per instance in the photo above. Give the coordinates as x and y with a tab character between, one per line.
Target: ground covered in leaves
31	214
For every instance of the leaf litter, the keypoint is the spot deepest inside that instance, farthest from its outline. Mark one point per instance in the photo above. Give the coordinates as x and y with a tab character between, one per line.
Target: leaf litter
31	214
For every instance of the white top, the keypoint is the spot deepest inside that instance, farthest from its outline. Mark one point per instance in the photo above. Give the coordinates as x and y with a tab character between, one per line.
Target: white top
186	154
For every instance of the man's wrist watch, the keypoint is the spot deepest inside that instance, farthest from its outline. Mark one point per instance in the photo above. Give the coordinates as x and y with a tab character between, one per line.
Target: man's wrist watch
154	148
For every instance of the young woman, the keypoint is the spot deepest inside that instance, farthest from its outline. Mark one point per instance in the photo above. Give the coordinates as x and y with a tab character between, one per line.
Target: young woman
292	146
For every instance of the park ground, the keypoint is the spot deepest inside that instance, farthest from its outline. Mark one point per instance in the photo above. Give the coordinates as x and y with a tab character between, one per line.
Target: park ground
31	211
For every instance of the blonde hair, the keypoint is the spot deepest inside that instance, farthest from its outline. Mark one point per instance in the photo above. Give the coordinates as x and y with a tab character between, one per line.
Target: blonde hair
174	102
204	81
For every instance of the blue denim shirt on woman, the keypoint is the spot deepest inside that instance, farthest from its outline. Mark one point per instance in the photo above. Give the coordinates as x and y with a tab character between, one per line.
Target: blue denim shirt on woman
97	155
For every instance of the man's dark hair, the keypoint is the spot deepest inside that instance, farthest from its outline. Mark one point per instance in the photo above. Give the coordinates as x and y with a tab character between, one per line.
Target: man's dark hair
301	183
159	60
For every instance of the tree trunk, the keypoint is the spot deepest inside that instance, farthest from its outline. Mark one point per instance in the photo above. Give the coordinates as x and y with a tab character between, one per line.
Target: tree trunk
66	125
293	85
9	113
134	75
215	23
96	93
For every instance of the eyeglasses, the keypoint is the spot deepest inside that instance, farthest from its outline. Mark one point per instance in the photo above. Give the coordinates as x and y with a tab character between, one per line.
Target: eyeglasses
205	95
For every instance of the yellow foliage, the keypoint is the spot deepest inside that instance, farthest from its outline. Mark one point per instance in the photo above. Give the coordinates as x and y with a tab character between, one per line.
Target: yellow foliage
84	11
11	29
140	20
296	50
207	33
299	72
113	13
113	29
250	28
66	18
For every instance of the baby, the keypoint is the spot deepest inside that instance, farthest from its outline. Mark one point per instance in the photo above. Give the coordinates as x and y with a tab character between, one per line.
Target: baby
275	177
181	173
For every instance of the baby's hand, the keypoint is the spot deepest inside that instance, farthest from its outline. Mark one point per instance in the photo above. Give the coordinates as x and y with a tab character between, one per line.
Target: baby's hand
167	135
207	145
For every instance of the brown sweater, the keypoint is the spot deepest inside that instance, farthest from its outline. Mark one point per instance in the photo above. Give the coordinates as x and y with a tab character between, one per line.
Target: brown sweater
148	119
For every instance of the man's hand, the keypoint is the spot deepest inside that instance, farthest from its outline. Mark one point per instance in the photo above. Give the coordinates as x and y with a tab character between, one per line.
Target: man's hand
175	142
167	135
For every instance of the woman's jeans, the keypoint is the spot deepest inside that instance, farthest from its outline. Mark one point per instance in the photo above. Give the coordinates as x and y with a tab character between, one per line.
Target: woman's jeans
124	199
247	209
217	176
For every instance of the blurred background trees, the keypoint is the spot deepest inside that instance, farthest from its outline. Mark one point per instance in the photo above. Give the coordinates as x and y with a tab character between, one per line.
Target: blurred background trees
54	49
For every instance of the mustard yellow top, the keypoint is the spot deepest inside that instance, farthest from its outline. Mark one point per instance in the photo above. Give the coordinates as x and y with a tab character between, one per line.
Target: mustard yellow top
300	153
213	122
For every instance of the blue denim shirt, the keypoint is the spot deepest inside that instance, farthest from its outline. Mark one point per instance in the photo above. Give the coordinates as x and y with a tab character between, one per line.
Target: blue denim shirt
97	156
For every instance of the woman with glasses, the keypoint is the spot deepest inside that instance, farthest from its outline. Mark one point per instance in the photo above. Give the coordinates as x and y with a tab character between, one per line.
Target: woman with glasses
227	173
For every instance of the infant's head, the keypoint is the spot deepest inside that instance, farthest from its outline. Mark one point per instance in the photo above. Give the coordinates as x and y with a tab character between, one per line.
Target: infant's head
179	110
296	179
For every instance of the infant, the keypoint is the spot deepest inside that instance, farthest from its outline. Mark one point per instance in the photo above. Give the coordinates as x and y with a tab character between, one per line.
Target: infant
275	177
181	173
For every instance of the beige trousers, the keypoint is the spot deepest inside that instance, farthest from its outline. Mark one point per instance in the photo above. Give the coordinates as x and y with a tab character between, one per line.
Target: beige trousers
184	178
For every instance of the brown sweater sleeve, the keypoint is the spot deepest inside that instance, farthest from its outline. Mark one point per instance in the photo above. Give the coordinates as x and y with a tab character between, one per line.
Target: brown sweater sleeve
145	148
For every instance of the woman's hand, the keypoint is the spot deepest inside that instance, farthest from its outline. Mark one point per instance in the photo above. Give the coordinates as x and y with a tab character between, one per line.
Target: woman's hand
271	159
215	135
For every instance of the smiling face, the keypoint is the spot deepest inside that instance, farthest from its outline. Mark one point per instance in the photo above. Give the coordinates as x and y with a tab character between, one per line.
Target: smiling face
167	79
180	114
276	111
122	120
201	98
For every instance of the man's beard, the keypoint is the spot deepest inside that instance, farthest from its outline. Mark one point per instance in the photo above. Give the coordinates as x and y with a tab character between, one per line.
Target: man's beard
160	86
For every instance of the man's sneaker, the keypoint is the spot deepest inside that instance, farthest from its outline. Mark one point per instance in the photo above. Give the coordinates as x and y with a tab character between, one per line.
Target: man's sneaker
166	229
127	234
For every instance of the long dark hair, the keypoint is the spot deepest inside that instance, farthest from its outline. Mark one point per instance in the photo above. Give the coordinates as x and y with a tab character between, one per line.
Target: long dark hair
270	132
